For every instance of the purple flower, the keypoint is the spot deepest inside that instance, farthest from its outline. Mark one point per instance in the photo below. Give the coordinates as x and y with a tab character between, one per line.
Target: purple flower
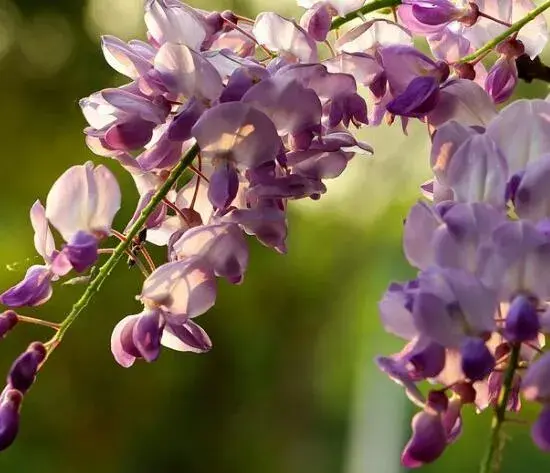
10	404
536	381
522	320
428	440
35	289
8	320
540	431
502	79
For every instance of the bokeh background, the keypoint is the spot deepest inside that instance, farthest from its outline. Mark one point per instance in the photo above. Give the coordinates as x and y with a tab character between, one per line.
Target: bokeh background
290	386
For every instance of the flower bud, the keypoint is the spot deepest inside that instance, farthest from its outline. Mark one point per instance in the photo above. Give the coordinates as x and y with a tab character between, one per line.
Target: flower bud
477	360
23	370
9	417
502	79
8	320
428	440
522	322
464	70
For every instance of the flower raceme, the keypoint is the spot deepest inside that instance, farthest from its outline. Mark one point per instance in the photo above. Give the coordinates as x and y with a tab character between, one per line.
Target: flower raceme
261	112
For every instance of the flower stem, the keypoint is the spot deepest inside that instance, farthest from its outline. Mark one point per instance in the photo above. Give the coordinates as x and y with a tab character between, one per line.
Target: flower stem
368	8
121	248
490	461
34	321
504	35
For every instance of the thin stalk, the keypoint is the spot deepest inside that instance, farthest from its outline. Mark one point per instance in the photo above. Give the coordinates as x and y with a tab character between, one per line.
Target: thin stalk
490	463
510	31
34	321
368	8
106	269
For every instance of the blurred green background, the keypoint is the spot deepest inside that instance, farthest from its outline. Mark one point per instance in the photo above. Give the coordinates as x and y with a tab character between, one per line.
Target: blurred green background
290	386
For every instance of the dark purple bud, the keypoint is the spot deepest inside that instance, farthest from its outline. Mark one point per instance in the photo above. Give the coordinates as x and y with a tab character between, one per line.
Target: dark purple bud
466	392
430	360
470	17
522	322
8	320
146	334
229	17
438	400
419	98
82	251
511	48
130	135
428	440
316	21
180	127
23	370
215	22
9	417
477	360
464	70
540	432
224	184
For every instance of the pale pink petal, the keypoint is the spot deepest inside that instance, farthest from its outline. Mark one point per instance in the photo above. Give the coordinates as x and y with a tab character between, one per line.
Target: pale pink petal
371	35
43	238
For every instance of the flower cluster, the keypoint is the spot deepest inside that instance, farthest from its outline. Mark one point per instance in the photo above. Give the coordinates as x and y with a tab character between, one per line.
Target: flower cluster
260	112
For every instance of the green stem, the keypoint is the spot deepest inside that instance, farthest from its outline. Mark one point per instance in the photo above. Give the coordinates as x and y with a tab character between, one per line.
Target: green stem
368	8
121	248
501	37
490	463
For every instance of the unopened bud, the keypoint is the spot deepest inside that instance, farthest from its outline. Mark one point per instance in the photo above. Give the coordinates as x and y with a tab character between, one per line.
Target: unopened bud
23	370
8	320
9	417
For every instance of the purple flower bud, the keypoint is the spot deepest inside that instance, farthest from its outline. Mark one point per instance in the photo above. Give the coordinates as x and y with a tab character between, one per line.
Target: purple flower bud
82	251
428	440
418	99
316	21
522	322
464	70
511	48
477	360
224	184
146	334
540	431
23	370
438	400
9	417
8	320
502	79
466	392
536	381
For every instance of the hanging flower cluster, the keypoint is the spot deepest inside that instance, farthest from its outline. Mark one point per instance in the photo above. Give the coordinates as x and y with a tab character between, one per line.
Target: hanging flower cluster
261	112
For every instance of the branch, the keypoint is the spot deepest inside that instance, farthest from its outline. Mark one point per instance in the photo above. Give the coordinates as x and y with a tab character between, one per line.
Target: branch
531	69
489	463
501	37
368	8
121	248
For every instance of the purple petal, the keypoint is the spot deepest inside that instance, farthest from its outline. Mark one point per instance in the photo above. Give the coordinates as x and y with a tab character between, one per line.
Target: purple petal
223	185
82	251
502	80
9	417
122	344
35	289
186	337
146	335
540	431
428	440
